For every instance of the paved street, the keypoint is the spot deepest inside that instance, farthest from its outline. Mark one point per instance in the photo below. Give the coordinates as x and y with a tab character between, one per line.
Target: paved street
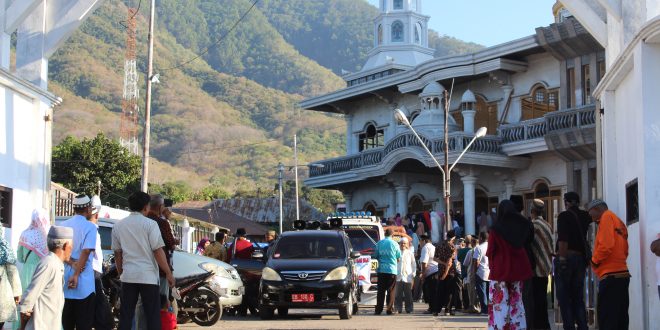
315	319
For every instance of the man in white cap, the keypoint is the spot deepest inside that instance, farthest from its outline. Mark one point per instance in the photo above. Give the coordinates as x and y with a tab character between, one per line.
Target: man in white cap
42	303
79	291
103	319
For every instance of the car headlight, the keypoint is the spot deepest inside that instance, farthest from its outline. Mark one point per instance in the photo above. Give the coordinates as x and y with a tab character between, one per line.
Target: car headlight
337	274
215	269
270	274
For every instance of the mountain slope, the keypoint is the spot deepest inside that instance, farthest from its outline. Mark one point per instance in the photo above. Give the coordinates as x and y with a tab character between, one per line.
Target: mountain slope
228	117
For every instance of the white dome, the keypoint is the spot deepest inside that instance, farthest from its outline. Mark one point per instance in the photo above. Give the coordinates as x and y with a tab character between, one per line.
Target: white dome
432	89
468	96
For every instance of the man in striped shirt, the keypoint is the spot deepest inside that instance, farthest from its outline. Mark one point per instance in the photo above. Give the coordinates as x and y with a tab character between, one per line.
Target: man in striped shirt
542	250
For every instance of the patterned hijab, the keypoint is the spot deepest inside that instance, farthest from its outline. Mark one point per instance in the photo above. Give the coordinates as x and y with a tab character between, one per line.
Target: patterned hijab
34	238
202	244
7	255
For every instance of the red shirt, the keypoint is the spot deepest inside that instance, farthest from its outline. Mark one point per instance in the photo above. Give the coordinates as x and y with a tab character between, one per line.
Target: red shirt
167	320
506	263
244	249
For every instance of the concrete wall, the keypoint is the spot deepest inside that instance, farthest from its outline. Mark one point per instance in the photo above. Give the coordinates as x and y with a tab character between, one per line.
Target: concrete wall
24	153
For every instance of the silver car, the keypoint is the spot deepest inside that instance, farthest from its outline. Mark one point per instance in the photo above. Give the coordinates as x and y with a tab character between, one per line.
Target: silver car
226	282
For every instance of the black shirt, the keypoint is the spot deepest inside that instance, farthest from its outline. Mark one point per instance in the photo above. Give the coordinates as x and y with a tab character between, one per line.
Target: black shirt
572	226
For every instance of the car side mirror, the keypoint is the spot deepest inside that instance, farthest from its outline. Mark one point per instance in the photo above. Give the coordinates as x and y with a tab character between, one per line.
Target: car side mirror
257	255
355	255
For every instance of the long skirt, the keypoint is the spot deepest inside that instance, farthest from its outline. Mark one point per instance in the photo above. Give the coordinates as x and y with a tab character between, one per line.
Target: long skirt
506	310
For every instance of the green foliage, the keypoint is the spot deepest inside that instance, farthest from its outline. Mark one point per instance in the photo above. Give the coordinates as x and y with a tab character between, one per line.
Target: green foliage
81	164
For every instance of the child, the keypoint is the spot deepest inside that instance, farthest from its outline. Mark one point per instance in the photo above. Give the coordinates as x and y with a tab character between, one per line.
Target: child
167	318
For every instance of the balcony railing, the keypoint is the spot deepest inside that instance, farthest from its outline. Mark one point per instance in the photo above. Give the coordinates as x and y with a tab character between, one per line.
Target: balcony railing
457	141
558	120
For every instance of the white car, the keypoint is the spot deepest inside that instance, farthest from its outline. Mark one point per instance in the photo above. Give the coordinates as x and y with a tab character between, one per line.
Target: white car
226	282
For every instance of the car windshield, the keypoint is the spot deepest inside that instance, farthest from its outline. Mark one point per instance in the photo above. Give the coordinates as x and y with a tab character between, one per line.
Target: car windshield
362	237
309	247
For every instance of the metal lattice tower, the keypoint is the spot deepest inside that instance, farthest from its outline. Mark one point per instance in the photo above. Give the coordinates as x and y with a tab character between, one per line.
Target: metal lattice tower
128	128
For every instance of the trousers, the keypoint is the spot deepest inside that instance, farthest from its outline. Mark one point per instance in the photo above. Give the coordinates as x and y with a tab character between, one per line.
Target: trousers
613	301
569	284
150	301
403	294
78	313
539	310
386	286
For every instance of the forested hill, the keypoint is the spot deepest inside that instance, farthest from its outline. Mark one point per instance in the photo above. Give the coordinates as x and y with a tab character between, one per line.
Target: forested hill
228	117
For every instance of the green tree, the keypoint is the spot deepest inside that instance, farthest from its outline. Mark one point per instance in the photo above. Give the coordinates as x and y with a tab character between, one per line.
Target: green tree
81	164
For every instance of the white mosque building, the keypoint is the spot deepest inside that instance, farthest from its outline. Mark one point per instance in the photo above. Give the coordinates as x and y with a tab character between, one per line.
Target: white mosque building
534	95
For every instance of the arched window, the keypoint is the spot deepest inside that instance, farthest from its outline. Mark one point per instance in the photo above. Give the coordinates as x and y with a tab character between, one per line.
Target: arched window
540	102
414	115
418	33
370	207
397	4
397	31
380	34
371	138
417	204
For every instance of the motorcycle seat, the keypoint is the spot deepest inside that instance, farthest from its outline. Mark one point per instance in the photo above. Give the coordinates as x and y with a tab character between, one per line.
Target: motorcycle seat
184	281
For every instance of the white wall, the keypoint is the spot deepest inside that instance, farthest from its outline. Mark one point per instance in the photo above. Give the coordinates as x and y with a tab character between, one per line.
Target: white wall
23	157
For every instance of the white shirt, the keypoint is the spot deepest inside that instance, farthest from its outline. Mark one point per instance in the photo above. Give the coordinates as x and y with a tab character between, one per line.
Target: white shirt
407	266
97	262
426	257
137	237
480	254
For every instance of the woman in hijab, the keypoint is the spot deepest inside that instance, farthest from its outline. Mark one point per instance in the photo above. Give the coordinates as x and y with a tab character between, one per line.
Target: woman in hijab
10	282
32	245
201	247
509	267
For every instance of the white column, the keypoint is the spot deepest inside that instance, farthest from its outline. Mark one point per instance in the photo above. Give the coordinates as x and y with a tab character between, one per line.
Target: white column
349	134
187	243
508	184
5	46
31	60
402	199
392	201
468	120
469	183
584	194
348	201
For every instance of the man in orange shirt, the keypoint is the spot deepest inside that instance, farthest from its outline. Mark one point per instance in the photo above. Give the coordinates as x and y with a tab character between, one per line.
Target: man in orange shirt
609	263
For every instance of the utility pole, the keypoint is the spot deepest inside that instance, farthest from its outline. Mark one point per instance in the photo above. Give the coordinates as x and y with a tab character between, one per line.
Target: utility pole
295	170
147	107
280	169
447	174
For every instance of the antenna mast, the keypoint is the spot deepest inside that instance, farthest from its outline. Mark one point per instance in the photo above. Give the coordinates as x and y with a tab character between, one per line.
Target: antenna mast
128	128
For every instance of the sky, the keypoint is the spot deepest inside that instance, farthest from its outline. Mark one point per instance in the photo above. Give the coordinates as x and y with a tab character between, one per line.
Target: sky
487	22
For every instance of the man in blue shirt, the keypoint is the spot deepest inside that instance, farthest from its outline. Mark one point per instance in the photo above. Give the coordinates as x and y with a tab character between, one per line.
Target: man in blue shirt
79	289
387	253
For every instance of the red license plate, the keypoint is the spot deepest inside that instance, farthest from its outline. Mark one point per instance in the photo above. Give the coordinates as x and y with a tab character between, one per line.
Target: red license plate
302	297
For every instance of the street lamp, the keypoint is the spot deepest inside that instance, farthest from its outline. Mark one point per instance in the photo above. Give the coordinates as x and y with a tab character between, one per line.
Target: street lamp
280	168
446	172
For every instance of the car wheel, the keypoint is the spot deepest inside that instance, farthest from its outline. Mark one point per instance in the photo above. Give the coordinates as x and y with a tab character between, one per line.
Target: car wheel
282	312
346	312
266	313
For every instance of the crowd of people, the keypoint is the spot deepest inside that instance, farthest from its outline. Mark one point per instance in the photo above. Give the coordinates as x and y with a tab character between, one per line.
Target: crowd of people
59	282
504	272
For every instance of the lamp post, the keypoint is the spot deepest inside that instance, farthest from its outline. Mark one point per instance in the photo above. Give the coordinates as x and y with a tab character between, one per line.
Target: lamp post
446	170
280	169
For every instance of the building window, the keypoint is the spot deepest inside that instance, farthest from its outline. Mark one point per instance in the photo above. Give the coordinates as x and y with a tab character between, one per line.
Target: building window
600	69
380	34
371	138
632	202
539	103
570	87
586	85
397	31
398	4
414	115
418	33
5	206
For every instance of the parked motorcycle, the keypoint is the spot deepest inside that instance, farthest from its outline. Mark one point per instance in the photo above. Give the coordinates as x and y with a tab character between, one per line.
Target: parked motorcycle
195	301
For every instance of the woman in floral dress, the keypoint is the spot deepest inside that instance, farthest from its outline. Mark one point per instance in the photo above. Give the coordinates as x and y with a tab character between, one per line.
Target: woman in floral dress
509	267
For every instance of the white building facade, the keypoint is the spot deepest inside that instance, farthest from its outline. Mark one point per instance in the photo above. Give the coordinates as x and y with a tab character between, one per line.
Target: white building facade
533	95
629	134
26	106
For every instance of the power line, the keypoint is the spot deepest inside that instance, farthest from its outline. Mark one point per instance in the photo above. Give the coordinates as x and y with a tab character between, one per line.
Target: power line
217	42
